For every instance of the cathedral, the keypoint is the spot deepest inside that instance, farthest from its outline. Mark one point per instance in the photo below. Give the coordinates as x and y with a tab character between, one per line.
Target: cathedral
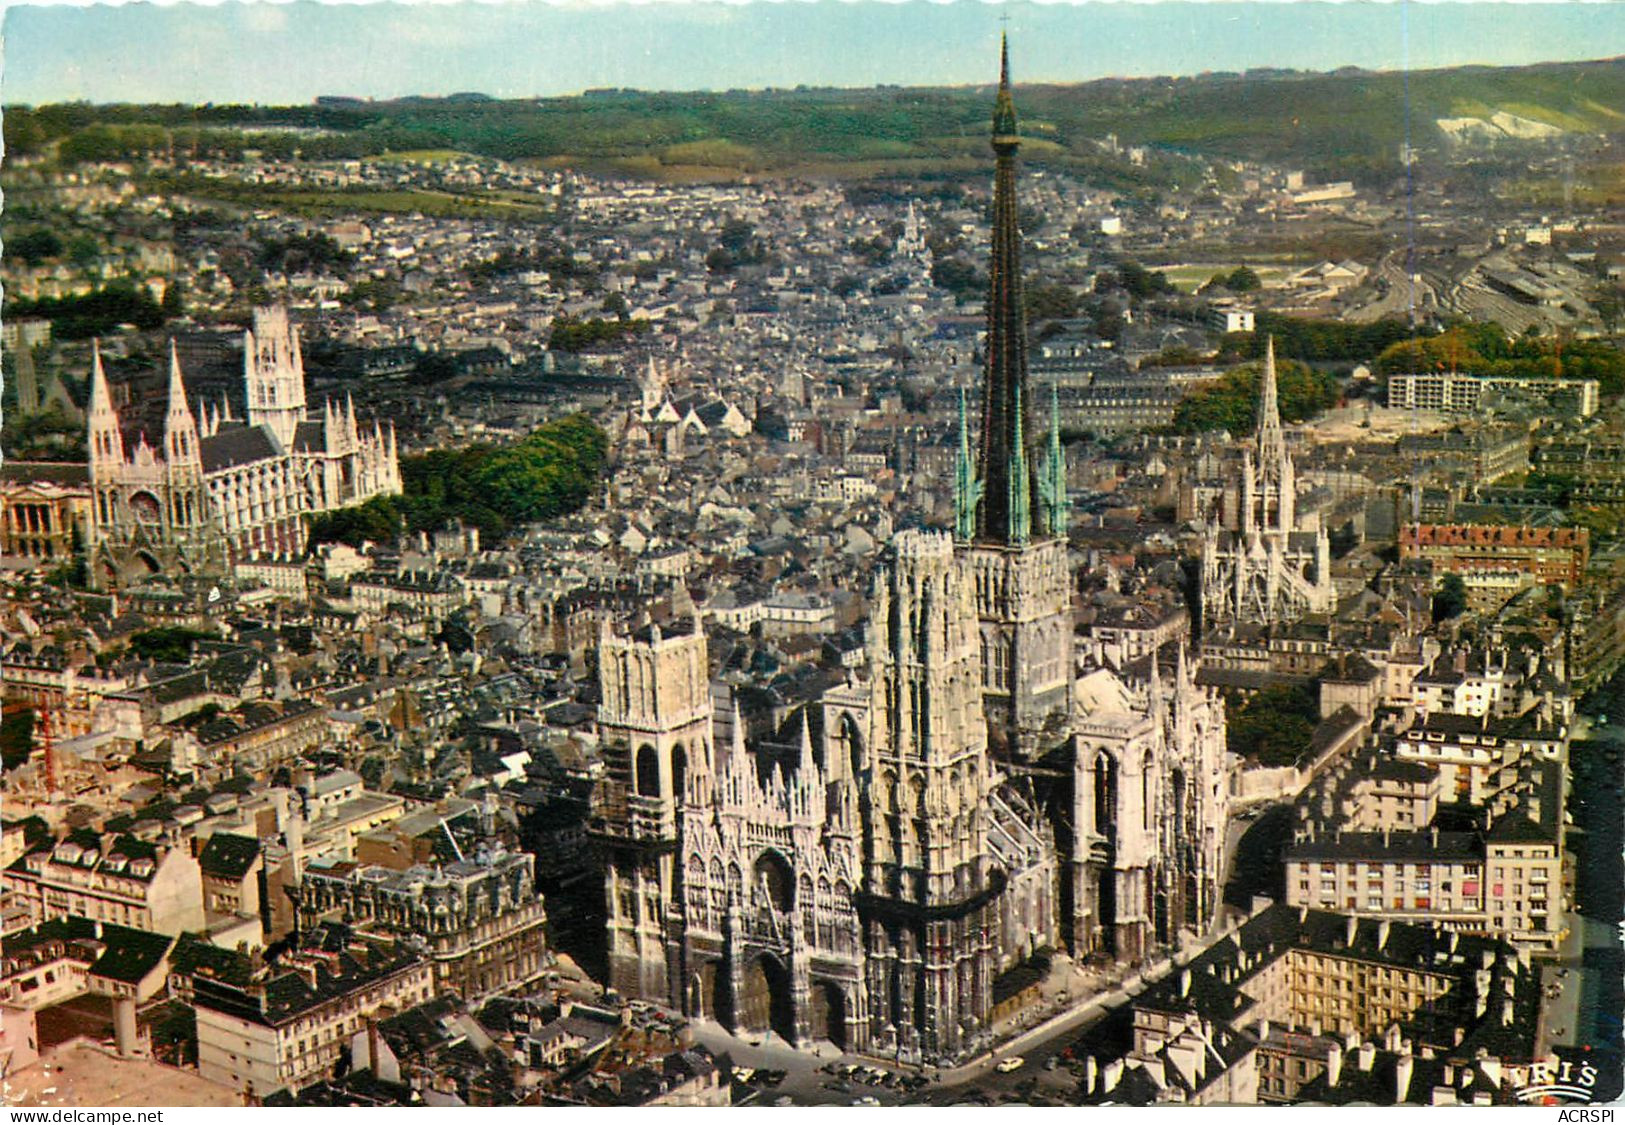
981	789
1258	568
216	490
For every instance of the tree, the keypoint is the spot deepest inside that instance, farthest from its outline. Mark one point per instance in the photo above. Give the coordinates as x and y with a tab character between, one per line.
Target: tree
1141	282
1273	727
173	306
34	246
168	644
16	737
84	251
1051	302
1450	600
959	277
553	471
1242	280
1231	401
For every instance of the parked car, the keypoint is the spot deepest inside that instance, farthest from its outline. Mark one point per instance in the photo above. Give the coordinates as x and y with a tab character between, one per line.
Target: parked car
1014	1062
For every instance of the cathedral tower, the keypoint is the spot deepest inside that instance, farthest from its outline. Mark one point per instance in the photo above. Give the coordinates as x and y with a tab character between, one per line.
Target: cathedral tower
150	512
654	719
1272	484
274	371
927	882
187	510
1022	582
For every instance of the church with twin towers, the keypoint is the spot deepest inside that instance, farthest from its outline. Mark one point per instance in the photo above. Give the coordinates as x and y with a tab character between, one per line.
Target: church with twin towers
211	489
982	788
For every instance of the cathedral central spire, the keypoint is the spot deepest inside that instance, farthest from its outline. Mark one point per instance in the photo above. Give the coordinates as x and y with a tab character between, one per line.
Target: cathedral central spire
1003	516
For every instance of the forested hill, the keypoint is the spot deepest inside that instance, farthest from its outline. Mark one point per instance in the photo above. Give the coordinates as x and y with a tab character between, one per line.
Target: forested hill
1347	123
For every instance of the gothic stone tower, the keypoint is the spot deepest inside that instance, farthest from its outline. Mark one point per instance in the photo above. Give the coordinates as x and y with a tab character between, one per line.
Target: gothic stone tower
150	513
274	372
1022	587
928	891
655	718
770	938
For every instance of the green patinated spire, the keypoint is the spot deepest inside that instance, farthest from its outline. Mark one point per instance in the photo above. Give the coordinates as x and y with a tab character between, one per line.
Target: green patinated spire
1021	501
1004	384
967	489
1052	474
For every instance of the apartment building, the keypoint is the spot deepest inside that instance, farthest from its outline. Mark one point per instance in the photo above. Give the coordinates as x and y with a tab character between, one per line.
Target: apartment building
111	878
1297	999
1549	554
286	1026
1454	392
482	920
1504	878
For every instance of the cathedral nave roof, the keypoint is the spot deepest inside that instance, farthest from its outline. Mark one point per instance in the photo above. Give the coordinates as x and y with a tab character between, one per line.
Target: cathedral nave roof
238	445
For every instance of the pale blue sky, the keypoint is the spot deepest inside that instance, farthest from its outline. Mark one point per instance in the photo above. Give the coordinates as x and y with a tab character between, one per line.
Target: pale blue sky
288	53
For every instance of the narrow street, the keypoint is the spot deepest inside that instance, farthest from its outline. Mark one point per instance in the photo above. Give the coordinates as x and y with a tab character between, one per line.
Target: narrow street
1594	954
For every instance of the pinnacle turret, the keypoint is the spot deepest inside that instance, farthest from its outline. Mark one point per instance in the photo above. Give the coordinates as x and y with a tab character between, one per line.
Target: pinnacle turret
106	439
967	488
1052	474
180	426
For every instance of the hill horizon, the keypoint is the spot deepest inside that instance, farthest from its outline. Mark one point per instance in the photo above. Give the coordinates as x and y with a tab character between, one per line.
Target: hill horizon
292	53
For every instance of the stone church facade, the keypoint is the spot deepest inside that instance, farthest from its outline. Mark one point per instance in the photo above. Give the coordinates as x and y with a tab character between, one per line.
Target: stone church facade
1258	568
215	490
980	789
869	894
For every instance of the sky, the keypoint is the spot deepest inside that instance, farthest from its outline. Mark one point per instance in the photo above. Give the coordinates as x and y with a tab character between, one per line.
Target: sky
288	53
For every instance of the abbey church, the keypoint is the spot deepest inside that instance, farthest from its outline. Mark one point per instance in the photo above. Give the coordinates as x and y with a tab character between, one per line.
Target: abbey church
211	490
981	788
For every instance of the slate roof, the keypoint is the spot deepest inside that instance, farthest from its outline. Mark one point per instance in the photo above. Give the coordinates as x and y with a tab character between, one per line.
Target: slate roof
63	473
113	952
1418	847
309	437
228	856
238	445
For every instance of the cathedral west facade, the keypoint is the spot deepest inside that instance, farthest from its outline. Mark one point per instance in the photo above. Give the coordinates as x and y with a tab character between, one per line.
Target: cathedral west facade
979	790
216	489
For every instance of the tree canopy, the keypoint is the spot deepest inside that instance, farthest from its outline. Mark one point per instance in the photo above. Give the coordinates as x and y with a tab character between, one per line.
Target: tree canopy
1275	726
1230	402
168	644
1485	349
551	472
1450	600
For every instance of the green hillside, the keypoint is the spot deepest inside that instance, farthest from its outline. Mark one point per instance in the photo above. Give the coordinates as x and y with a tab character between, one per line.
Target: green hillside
1347	123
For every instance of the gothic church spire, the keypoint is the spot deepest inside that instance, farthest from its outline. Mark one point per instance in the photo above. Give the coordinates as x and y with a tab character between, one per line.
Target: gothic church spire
1271	441
1005	397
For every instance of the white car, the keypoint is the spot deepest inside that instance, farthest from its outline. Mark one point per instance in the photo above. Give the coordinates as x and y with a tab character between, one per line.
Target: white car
1014	1062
